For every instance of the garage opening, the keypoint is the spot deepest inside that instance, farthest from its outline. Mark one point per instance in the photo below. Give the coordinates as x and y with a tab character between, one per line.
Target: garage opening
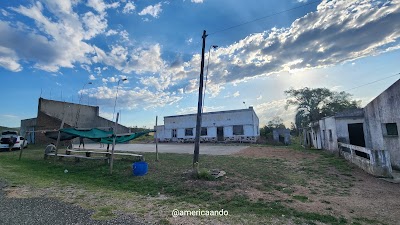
356	134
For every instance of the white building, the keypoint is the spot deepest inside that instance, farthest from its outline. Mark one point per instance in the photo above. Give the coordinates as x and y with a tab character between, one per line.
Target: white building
234	125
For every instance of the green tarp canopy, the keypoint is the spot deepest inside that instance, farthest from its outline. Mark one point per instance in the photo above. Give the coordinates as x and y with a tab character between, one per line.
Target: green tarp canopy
94	134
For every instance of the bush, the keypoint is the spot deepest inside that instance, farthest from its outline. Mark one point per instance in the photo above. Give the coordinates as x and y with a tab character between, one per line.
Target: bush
204	174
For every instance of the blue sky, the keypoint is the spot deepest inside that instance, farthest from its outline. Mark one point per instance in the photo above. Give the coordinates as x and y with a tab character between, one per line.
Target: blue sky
53	48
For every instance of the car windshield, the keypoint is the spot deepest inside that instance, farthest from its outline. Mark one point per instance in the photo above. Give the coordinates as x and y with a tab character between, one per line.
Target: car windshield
9	133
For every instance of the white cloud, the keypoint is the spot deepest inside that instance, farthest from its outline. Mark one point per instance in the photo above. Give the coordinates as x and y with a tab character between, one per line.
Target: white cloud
197	1
129	8
139	60
133	98
9	116
193	109
151	10
100	6
236	94
111	32
92	77
9	59
268	110
322	38
93	24
53	43
4	13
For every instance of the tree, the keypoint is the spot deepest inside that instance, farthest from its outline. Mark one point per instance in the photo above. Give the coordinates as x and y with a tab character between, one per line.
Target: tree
276	122
313	104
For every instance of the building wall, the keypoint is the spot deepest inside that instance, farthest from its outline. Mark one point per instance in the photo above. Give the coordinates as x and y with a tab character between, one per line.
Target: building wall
329	134
384	109
51	113
225	119
57	109
102	122
28	125
46	122
316	135
343	130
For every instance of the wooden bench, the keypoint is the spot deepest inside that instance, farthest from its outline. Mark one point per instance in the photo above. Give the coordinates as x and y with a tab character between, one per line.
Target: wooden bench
77	157
107	154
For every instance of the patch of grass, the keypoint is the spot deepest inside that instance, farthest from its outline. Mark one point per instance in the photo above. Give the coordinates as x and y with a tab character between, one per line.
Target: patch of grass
168	177
163	222
205	174
103	213
359	220
301	198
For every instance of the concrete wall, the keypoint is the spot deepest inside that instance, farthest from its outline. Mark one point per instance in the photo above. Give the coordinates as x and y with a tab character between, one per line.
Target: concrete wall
384	109
87	114
46	122
316	135
328	136
28	125
339	129
51	113
102	122
343	130
285	133
212	120
375	162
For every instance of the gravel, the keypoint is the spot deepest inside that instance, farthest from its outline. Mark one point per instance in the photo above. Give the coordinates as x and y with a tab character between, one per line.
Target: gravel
43	211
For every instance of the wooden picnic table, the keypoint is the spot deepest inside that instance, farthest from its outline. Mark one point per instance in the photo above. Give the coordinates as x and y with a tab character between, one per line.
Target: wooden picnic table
89	154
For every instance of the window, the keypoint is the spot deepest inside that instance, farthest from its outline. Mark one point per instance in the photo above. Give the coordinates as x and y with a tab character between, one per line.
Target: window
330	135
203	131
238	130
174	133
391	129
189	132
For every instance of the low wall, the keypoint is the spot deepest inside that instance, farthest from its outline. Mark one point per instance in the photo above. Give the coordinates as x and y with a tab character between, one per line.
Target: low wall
375	162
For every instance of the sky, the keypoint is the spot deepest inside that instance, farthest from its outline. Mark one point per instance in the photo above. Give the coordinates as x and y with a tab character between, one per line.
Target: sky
54	48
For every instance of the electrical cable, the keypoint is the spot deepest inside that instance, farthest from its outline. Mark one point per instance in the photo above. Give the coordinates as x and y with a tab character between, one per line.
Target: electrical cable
264	17
397	74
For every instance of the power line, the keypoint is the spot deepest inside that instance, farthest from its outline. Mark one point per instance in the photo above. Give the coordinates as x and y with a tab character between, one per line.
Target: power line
264	17
397	74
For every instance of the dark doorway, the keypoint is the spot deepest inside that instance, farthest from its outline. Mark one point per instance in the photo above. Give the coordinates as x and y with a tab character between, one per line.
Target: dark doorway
356	134
220	133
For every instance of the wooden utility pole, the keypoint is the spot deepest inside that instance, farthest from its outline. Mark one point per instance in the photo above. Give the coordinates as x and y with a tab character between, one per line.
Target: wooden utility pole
156	136
59	135
23	143
113	144
199	107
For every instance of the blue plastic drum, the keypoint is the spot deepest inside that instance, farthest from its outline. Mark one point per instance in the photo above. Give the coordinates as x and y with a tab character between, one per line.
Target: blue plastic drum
139	168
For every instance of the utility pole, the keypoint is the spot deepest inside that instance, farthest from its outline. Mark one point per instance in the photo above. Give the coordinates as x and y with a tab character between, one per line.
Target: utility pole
113	144
199	106
156	135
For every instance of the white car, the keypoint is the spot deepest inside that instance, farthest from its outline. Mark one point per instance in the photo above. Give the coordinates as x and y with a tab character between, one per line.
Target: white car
15	140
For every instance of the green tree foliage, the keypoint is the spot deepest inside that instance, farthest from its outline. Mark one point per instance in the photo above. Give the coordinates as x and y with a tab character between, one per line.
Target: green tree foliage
276	122
313	104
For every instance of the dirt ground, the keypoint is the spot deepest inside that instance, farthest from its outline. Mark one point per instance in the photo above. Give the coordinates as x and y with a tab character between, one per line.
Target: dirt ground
370	197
